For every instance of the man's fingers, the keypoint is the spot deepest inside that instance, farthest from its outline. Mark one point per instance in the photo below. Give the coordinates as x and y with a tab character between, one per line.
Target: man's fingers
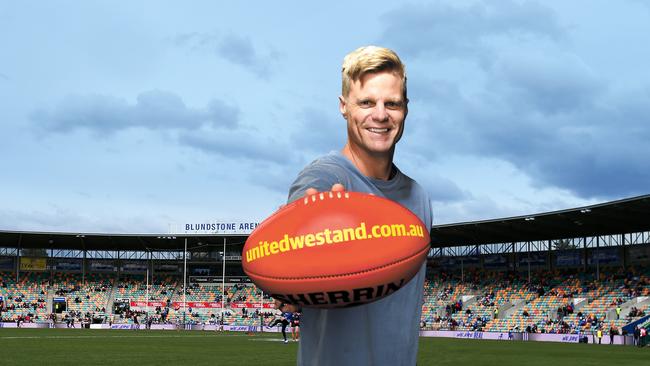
338	187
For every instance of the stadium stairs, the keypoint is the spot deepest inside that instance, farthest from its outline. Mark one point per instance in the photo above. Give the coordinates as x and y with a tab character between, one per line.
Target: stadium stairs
640	302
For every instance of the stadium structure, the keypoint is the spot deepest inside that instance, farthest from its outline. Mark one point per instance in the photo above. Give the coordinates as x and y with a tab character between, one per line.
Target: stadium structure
555	276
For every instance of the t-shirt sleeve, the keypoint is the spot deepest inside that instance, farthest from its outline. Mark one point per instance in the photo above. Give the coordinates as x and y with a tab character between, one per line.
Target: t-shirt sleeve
319	178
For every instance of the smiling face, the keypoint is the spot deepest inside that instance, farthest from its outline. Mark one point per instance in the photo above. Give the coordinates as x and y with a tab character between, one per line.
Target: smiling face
375	109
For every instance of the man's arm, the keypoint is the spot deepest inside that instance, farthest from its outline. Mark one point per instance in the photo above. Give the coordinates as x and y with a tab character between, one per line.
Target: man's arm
312	180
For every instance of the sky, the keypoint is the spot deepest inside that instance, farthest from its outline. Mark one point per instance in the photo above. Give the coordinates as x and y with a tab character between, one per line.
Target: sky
129	117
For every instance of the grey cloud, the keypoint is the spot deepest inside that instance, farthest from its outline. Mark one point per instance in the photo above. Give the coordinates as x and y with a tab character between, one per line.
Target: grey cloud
564	128
56	218
473	208
184	39
213	129
592	151
433	118
606	174
238	145
553	84
235	48
222	114
602	154
452	31
153	109
53	220
534	103
319	131
240	50
274	178
441	189
94	112
417	165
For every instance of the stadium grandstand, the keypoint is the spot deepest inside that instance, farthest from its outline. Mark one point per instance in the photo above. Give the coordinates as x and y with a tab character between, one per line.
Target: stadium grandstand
555	274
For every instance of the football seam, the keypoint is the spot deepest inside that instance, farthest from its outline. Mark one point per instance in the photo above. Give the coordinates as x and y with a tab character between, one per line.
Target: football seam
426	248
323	195
306	199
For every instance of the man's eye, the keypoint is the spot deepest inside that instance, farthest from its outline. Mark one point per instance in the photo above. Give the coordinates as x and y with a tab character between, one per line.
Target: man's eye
394	105
365	104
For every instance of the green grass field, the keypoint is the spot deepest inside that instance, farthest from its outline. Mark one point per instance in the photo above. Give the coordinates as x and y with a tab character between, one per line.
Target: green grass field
113	347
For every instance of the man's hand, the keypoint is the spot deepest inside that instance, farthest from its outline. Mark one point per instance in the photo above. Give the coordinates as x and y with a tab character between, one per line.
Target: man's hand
289	307
338	187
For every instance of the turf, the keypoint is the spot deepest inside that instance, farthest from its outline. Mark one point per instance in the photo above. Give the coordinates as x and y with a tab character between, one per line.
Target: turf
115	347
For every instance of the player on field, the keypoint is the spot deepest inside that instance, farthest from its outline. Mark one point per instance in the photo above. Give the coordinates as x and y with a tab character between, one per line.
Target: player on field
295	326
284	320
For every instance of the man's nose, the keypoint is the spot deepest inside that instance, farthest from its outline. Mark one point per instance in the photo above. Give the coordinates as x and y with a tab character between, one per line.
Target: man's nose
380	114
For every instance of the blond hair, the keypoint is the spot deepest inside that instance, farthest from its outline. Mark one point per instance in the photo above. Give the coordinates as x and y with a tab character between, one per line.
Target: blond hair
371	59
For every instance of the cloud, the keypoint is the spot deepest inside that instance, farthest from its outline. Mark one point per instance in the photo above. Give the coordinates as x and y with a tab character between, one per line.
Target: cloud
240	50
447	31
532	101
441	189
319	131
275	178
567	145
214	129
563	128
549	80
4	77
234	48
601	152
240	144
58	219
155	110
472	208
416	164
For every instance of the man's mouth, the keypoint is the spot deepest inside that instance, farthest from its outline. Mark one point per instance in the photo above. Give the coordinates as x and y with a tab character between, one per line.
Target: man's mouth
378	130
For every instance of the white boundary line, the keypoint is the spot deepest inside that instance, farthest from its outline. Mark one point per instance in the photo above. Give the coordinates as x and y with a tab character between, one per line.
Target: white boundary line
118	336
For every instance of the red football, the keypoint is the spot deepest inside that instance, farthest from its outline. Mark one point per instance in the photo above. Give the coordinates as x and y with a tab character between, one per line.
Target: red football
336	249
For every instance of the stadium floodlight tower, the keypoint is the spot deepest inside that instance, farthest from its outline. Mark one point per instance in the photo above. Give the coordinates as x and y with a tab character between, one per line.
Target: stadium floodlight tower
184	282
223	279
147	289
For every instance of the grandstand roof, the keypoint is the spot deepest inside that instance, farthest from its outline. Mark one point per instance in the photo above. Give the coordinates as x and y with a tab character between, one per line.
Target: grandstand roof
617	217
121	242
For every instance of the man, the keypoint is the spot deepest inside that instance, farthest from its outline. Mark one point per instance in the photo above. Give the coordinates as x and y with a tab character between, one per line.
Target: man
295	327
374	104
642	335
284	320
148	320
612	332
599	334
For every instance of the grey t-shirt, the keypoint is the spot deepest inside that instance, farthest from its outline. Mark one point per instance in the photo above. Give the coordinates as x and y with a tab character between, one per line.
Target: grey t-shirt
384	332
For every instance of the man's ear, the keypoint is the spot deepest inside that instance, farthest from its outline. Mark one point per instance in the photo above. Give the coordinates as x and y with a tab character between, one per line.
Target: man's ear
343	107
406	108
